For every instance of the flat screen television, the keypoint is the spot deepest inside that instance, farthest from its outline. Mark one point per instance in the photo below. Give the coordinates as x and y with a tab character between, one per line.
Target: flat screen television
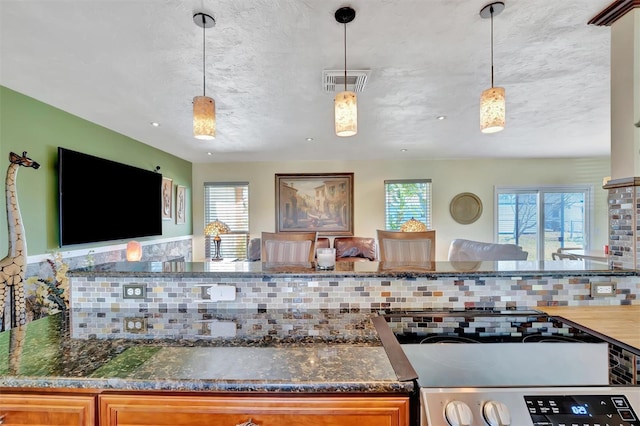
103	200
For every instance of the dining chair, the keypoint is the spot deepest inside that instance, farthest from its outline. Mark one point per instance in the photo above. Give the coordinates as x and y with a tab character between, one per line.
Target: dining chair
288	247
414	247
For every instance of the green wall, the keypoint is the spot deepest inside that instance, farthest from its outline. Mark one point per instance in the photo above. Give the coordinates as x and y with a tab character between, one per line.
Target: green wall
30	125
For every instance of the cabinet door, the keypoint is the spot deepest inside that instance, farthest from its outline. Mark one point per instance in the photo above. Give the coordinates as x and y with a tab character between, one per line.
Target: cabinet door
47	410
139	410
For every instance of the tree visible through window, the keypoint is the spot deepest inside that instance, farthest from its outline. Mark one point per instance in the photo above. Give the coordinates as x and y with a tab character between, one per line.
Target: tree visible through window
406	199
229	203
542	220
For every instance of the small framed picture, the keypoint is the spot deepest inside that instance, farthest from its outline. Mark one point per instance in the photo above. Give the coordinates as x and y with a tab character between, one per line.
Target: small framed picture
181	203
167	198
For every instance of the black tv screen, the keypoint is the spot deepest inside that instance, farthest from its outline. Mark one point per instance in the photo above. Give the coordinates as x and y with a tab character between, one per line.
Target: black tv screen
103	200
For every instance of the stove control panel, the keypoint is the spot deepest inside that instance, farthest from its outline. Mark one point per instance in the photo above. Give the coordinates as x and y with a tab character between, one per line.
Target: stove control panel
581	409
531	406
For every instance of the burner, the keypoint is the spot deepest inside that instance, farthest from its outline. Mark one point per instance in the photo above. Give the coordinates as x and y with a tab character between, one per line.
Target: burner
551	338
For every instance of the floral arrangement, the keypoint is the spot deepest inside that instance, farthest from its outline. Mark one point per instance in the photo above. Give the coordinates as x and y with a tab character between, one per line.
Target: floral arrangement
51	294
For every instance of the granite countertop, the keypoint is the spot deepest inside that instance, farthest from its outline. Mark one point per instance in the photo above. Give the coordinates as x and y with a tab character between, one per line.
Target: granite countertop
51	353
243	268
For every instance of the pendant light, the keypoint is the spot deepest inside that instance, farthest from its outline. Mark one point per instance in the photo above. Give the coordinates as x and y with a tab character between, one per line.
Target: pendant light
492	100
204	107
346	103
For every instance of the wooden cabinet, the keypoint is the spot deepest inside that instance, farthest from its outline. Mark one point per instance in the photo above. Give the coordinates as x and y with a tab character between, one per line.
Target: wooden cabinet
283	410
46	409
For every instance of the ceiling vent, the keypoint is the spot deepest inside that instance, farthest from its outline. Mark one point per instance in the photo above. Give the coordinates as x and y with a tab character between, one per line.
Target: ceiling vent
333	80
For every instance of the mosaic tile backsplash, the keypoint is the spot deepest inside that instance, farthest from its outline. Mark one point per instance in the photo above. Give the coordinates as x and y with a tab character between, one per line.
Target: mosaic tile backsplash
255	293
623	226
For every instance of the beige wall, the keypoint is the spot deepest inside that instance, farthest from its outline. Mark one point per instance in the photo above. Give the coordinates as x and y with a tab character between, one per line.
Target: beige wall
449	177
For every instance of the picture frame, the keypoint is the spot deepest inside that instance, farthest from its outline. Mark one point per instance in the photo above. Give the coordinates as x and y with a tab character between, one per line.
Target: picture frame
167	198
321	202
181	204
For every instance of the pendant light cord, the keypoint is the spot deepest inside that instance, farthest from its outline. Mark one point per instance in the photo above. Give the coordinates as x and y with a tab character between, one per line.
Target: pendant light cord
345	57
204	62
491	11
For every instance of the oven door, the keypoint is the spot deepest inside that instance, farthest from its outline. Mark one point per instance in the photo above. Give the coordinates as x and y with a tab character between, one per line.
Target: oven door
531	406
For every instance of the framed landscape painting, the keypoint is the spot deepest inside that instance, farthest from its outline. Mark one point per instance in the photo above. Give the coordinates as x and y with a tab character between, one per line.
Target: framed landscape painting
321	202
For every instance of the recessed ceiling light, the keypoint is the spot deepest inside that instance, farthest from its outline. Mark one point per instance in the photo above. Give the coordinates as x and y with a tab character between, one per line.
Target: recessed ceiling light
441	117
404	150
309	139
155	124
208	153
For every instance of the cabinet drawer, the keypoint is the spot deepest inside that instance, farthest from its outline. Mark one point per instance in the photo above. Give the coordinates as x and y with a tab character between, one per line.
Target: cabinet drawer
47	410
139	410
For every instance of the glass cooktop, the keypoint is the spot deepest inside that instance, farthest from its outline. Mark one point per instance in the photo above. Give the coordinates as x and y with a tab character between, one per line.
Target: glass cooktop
481	326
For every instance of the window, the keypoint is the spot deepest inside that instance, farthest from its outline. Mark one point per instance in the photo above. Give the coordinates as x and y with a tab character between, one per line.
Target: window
406	199
542	220
229	203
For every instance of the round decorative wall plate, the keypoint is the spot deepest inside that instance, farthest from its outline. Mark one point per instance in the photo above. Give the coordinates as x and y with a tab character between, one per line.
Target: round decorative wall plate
465	208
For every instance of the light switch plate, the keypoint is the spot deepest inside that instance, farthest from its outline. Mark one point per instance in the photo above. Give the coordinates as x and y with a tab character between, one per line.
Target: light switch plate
217	293
215	328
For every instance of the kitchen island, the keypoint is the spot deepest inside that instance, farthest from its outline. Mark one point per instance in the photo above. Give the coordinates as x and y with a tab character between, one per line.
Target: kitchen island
352	285
170	342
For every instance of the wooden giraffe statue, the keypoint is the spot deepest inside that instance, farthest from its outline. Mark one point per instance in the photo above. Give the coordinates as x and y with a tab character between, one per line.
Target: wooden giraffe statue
13	266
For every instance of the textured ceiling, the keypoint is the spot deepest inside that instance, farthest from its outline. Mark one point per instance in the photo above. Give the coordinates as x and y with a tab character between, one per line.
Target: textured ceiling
124	64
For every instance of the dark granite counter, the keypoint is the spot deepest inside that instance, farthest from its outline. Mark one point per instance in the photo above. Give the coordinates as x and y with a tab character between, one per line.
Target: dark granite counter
245	269
111	350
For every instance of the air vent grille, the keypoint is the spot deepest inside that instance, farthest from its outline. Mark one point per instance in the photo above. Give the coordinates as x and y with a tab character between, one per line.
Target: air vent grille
333	80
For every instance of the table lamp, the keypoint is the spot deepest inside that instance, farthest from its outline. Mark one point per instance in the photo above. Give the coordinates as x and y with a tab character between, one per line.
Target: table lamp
214	229
413	225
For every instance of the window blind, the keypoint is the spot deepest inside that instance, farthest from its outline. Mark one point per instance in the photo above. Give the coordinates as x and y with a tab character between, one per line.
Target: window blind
406	199
228	202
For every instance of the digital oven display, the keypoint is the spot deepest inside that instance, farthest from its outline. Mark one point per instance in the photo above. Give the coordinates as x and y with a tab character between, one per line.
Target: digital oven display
580	409
592	409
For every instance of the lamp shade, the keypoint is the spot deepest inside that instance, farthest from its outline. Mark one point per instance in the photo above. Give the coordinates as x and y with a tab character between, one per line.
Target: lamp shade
413	225
346	113
492	110
216	228
204	118
134	251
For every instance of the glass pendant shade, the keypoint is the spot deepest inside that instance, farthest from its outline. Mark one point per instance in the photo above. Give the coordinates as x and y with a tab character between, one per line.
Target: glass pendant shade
204	118
346	113
492	110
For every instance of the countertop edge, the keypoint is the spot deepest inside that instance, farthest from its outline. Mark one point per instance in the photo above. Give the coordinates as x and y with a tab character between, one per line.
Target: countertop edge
65	384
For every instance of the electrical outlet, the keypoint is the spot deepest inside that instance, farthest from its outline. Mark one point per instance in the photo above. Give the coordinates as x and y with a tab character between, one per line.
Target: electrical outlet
134	291
135	325
603	289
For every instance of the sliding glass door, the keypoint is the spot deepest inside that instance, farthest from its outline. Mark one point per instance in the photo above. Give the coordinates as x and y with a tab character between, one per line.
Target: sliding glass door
542	220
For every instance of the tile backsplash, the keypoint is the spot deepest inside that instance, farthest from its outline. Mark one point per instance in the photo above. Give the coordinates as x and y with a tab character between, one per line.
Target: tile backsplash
272	292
